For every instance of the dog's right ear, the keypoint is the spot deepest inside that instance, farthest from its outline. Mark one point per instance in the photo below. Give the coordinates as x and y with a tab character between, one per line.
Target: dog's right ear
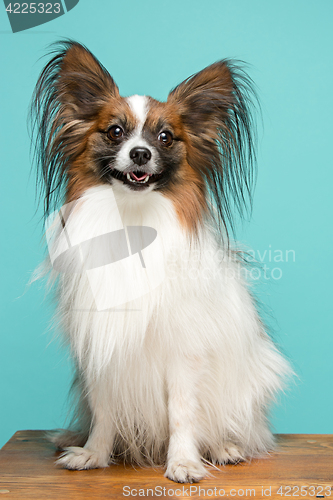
76	78
69	95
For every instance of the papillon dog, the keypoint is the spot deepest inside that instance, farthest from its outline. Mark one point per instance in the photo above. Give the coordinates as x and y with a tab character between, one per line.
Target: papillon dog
173	365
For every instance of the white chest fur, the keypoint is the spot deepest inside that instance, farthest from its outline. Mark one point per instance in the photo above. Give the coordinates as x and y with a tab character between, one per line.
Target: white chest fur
173	341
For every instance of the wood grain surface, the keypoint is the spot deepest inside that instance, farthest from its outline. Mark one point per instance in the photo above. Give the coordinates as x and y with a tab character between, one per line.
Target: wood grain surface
301	467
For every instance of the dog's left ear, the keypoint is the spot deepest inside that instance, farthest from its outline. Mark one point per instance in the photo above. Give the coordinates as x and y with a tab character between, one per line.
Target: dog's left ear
215	106
205	96
218	97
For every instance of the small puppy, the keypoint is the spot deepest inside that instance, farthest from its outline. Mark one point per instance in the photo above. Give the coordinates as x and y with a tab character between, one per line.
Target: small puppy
173	364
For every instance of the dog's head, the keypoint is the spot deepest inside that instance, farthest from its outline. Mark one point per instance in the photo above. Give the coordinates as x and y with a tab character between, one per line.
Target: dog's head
194	147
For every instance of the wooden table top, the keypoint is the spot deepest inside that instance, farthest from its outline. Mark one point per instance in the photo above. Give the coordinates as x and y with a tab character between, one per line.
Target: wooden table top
301	466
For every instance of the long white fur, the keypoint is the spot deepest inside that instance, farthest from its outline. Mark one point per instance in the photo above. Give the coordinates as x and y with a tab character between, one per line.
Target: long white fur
188	363
181	372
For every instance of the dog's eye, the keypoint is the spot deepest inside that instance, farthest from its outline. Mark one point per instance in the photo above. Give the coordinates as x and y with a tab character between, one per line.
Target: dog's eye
165	138
115	133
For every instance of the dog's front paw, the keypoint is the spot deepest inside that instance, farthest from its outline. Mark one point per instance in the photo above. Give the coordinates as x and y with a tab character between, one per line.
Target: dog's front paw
229	453
76	458
185	471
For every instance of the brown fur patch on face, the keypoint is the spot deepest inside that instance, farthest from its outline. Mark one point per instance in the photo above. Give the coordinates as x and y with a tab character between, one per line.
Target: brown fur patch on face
186	187
117	111
188	198
163	115
80	177
82	172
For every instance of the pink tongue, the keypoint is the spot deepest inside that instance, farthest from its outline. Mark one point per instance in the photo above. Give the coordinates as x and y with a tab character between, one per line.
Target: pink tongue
138	178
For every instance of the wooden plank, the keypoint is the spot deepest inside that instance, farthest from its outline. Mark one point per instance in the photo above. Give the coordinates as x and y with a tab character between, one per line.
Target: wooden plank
301	466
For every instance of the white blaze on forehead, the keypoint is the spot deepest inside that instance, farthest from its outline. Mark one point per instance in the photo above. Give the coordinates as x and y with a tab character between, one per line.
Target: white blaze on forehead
139	106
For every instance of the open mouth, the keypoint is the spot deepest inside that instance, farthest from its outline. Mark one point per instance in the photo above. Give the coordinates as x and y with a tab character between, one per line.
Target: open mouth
136	179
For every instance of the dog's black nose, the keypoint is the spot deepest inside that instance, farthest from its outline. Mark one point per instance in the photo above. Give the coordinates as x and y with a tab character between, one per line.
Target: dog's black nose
140	156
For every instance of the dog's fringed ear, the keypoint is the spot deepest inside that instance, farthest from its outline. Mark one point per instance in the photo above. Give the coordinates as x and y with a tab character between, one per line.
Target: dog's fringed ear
70	92
205	95
76	78
216	109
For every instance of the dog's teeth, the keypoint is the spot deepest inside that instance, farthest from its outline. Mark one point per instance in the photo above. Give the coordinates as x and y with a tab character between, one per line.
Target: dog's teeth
129	178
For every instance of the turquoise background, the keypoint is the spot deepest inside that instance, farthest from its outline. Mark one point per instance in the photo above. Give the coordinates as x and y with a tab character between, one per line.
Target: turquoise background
149	47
